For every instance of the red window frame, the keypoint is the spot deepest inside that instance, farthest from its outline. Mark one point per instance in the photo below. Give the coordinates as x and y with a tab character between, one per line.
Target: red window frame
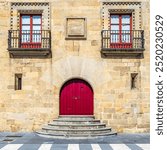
31	43
120	43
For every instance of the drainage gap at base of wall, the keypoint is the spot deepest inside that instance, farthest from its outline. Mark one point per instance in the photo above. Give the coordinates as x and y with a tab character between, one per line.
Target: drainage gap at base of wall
11	138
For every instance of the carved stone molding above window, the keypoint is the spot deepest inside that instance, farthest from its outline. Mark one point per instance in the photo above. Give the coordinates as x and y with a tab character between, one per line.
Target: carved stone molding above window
121	3
22	11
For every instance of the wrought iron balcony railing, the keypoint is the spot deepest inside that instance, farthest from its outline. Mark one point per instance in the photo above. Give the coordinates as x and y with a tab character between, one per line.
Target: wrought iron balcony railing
116	41
29	42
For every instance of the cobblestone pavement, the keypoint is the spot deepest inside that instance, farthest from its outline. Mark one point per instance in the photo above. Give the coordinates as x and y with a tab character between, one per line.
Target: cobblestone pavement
31	141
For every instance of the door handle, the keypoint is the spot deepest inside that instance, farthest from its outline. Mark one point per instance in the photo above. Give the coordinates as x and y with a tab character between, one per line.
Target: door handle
75	98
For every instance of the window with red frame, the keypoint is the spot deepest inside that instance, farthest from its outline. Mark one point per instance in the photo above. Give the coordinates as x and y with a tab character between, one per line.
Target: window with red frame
30	28
121	26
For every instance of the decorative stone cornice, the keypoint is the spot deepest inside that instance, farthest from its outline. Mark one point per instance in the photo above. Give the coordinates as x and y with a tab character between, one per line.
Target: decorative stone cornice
121	3
121	10
29	4
30	11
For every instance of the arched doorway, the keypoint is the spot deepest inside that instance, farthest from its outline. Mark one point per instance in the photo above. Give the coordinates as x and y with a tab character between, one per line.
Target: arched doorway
76	98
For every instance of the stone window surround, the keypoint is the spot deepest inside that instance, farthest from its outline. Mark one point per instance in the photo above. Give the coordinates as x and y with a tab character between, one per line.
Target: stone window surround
134	8
18	8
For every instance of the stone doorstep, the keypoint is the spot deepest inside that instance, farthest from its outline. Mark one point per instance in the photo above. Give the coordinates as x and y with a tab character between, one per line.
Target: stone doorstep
76	116
76	120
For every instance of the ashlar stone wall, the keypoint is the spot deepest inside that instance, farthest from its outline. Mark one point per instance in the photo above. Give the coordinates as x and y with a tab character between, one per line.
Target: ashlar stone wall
115	102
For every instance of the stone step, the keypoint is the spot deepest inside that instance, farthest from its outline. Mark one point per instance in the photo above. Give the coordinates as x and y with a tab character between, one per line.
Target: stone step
76	131
77	126
76	121
80	136
76	116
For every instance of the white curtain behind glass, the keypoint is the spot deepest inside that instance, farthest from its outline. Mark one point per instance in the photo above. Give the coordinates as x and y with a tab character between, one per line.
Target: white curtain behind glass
125	27
36	36
25	29
115	28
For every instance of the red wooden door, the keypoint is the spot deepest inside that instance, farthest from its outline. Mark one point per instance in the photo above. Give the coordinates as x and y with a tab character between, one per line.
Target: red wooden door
76	98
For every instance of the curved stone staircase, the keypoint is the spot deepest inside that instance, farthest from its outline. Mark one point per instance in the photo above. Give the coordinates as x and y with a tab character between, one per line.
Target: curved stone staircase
75	127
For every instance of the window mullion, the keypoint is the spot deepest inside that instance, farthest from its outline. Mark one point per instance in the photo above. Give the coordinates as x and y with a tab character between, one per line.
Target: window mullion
120	28
31	28
131	32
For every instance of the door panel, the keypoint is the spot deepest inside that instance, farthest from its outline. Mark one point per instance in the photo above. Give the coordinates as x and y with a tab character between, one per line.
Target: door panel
76	98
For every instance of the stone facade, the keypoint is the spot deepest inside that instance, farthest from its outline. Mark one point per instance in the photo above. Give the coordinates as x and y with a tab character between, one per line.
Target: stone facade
115	102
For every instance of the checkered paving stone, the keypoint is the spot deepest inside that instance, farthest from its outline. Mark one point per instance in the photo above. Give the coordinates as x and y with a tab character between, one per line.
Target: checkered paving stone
75	147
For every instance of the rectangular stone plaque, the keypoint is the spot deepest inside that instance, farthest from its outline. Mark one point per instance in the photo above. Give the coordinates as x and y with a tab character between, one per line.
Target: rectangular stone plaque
75	28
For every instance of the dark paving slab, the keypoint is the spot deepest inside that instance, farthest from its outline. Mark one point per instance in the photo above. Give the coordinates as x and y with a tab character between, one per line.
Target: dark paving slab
85	147
1	140
32	138
134	147
59	147
105	147
3	134
28	146
2	145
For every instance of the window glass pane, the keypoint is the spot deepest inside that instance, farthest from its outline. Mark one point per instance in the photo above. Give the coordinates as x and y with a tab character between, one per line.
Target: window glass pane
114	19
125	27
36	19
125	19
114	27
25	27
25	19
36	28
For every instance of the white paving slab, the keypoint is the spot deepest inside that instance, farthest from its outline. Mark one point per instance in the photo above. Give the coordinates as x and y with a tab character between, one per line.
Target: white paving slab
73	146
95	147
119	147
11	147
144	146
76	147
45	147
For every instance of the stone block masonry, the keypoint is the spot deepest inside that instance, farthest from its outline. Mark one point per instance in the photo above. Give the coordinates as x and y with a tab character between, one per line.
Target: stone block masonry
115	103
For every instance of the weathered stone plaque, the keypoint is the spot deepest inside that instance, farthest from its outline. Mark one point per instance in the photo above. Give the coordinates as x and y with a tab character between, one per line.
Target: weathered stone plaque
76	28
